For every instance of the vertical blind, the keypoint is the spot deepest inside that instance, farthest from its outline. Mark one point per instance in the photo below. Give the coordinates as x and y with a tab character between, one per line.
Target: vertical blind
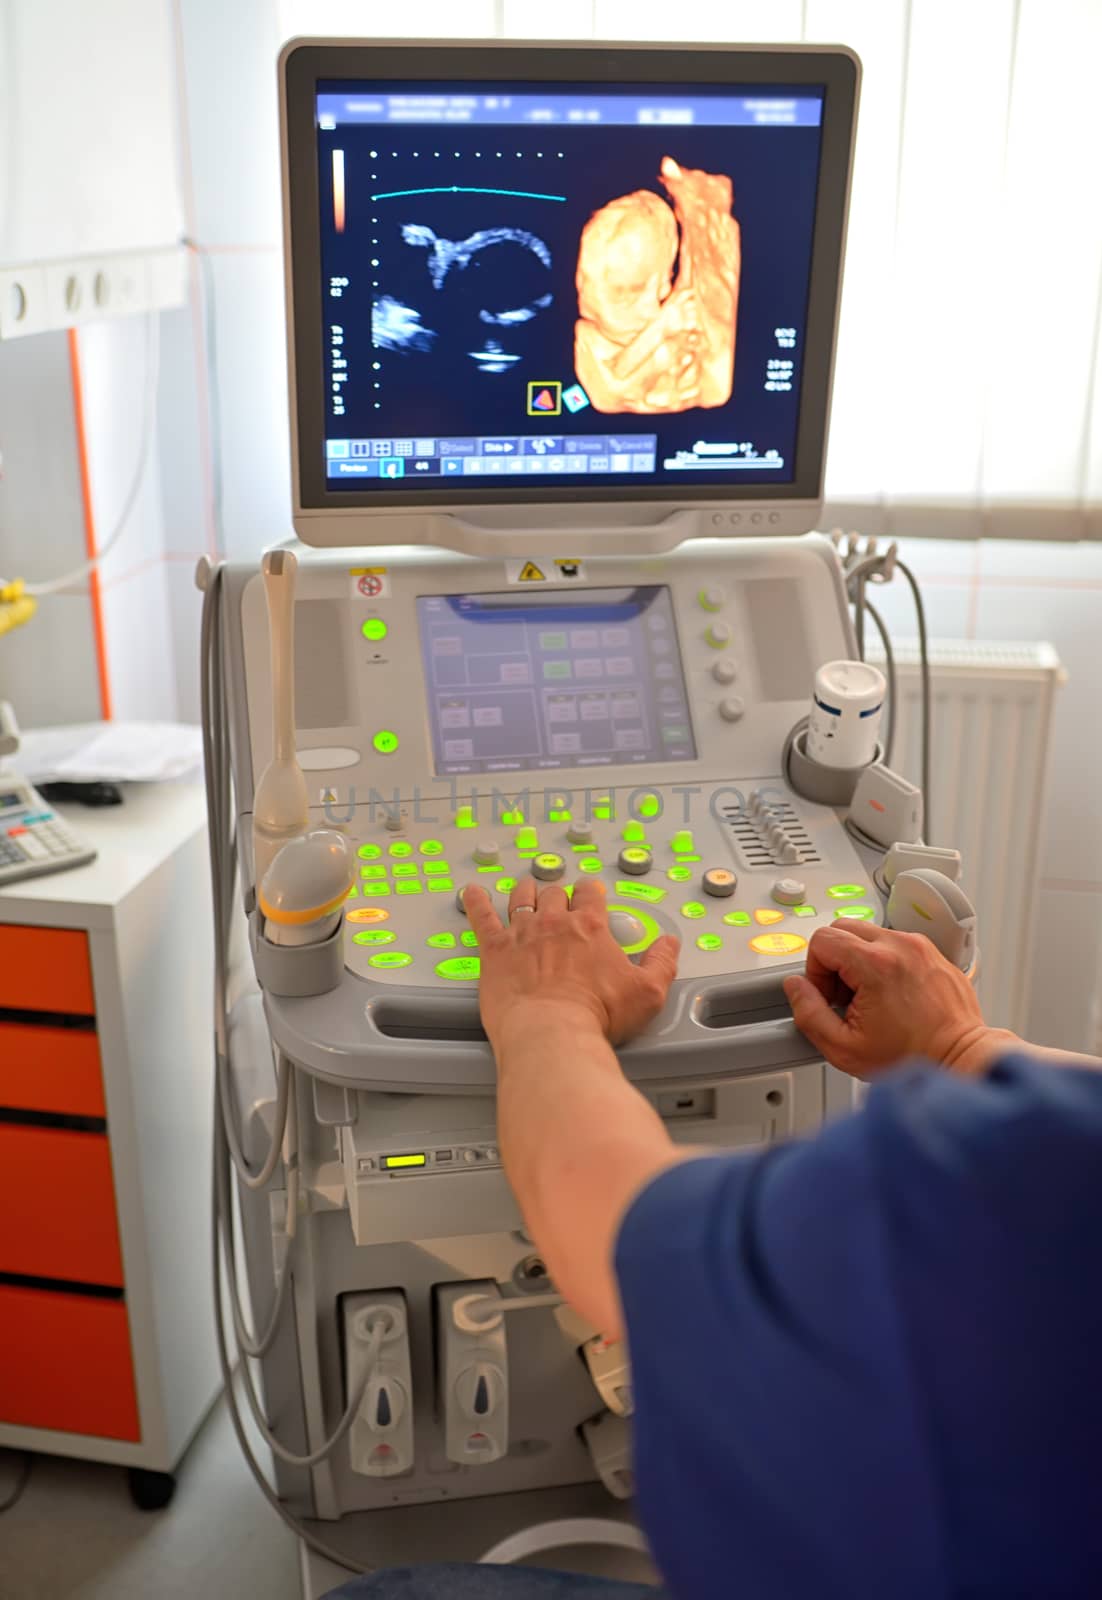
968	385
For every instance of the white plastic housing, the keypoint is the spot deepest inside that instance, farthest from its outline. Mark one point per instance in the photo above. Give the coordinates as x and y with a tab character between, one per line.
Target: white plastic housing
846	707
380	1441
473	1364
927	902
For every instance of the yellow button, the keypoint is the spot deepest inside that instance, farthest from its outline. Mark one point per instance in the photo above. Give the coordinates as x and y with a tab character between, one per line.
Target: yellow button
367	914
778	944
765	915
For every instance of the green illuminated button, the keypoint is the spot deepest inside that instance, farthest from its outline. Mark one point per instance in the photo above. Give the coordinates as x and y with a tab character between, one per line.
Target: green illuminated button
590	864
385	741
465	817
459	967
858	913
846	891
411	885
431	847
376	888
469	938
514	818
400	847
373	936
369	852
440	885
503	885
682	842
650	806
376	871
804	911
390	958
693	909
354	891
738	919
441	941
436	869
634	833
406	869
679	874
374	629
558	816
709	941
602	808
642	891
527	839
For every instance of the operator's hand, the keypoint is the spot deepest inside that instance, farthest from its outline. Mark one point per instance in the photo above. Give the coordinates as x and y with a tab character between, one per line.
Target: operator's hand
558	953
900	996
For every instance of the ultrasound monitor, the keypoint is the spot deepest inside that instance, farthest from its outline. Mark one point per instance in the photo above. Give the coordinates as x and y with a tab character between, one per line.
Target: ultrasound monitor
576	288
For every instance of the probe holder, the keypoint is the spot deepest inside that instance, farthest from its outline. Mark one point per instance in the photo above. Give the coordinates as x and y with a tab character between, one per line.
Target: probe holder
297	971
825	786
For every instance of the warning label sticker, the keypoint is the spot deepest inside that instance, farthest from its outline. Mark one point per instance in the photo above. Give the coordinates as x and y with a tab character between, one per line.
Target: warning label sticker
560	569
370	583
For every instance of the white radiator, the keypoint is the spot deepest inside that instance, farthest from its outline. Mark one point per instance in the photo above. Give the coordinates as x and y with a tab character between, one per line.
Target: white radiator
992	724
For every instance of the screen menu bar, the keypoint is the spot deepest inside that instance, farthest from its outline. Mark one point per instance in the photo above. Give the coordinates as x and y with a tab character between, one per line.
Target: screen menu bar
495	456
414	107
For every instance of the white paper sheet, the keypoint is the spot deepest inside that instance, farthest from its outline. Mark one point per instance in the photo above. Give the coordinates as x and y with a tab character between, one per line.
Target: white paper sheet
110	752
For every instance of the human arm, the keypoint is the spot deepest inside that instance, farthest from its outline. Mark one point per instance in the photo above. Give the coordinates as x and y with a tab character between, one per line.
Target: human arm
578	1142
901	999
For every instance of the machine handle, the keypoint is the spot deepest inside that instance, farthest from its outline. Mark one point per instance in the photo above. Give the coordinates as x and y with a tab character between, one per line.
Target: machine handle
393	1044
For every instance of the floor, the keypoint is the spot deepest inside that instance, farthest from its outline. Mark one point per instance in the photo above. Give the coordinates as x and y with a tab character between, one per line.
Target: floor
76	1535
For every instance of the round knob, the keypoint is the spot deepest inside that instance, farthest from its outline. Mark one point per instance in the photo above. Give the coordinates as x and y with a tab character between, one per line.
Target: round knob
789	892
635	859
394	823
486	853
579	833
731	708
548	868
624	928
459	906
471	1157
711	598
719	881
724	670
717	634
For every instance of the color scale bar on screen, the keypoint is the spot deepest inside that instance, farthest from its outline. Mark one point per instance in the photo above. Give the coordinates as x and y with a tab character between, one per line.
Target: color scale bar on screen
338	190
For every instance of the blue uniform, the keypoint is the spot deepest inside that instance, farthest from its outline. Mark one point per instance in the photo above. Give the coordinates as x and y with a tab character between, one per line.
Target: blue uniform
869	1366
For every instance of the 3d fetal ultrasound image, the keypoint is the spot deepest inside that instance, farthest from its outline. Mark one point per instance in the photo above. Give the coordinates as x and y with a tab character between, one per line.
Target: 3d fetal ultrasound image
635	297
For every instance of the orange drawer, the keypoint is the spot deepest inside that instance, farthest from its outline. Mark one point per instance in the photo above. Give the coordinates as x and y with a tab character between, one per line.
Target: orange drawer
67	1364
45	969
57	1202
50	1069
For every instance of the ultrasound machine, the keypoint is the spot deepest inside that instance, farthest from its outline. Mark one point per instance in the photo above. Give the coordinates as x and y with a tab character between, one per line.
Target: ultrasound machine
561	328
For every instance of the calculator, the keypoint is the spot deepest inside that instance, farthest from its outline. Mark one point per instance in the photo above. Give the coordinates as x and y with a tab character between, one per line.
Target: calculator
33	838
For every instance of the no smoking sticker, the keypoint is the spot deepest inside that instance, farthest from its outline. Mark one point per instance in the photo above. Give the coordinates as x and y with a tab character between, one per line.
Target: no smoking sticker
538	570
370	583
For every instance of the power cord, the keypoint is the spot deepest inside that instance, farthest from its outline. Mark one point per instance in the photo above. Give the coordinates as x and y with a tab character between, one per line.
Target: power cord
22	1479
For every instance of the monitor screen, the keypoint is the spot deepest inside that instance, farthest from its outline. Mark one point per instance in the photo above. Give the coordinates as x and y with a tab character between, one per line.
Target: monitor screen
577	285
542	683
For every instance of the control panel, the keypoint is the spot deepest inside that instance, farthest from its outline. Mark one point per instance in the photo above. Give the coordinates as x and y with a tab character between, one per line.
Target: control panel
467	721
743	879
33	838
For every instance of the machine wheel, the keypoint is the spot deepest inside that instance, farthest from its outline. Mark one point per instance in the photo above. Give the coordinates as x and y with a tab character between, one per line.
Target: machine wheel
150	1491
